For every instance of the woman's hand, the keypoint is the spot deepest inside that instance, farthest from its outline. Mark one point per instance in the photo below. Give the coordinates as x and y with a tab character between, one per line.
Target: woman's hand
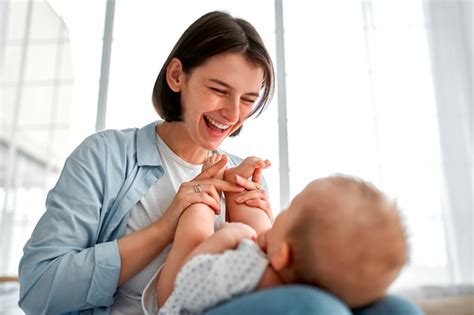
254	194
202	189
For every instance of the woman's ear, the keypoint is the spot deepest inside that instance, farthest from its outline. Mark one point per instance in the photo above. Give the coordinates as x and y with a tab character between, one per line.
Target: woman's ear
281	258
174	74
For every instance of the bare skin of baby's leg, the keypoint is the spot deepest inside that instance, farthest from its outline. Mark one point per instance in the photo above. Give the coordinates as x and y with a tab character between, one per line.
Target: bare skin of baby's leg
188	235
240	212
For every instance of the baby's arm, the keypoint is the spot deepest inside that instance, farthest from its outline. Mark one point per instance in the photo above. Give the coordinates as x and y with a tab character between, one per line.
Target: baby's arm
240	212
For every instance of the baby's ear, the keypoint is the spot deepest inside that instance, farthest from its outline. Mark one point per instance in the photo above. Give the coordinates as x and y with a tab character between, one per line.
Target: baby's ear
281	259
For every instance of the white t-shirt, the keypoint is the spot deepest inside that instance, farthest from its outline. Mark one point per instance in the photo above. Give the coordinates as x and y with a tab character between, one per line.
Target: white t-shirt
151	207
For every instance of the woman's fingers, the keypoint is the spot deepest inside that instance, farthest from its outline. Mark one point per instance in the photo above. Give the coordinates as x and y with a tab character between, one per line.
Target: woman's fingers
197	187
251	194
222	185
255	196
247	184
190	193
206	191
204	198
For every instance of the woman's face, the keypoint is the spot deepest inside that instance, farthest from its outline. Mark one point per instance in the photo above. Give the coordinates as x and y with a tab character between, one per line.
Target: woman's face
217	97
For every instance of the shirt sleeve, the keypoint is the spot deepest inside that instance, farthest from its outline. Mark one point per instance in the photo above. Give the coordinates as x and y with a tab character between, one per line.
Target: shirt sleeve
63	269
209	279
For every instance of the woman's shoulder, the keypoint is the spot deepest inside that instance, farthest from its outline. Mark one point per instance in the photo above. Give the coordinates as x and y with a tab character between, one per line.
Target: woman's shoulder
121	138
104	147
118	145
108	139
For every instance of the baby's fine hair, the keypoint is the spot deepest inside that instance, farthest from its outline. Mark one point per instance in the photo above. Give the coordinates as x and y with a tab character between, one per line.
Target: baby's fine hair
346	222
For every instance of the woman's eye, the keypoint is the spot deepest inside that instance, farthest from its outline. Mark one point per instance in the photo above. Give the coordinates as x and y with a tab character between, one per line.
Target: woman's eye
218	91
248	101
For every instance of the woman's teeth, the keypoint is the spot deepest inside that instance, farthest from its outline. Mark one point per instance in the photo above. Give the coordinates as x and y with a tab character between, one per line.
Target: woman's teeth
216	124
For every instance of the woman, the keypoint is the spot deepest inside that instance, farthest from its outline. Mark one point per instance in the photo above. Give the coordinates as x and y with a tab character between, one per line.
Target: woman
112	215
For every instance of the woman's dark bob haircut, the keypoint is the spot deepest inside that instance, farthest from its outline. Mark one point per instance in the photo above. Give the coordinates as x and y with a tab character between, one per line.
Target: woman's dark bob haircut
213	33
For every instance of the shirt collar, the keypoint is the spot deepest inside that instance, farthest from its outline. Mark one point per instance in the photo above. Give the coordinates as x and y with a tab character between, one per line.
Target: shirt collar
147	150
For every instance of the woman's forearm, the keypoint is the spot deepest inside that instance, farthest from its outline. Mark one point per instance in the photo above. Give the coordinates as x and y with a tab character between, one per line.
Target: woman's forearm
138	249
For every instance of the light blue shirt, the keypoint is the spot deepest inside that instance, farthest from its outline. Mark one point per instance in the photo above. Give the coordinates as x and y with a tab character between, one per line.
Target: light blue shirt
72	261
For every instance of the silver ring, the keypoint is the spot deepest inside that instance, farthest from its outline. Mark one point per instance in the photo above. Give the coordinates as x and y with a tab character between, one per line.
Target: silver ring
197	188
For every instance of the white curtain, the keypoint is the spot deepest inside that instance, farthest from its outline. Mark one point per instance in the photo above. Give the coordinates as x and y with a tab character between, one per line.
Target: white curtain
450	37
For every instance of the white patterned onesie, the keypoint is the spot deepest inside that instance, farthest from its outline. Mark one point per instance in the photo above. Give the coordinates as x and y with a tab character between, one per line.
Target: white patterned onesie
209	279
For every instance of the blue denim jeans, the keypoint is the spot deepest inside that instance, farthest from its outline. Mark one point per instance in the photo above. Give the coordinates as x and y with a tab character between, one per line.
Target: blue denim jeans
306	300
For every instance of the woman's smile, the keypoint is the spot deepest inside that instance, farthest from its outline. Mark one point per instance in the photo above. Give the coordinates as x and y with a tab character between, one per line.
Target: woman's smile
215	126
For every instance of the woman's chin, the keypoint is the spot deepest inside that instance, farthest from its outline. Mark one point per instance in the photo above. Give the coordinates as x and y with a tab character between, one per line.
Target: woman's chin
212	146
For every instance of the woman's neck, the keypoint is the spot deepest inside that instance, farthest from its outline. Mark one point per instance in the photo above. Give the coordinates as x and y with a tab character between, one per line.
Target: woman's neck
178	140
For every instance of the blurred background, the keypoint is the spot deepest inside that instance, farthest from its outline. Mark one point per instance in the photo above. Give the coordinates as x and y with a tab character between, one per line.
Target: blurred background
377	89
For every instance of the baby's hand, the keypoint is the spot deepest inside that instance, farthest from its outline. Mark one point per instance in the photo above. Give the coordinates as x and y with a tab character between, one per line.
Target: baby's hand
238	231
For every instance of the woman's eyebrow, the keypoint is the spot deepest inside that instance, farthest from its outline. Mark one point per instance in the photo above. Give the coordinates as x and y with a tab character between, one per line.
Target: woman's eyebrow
256	94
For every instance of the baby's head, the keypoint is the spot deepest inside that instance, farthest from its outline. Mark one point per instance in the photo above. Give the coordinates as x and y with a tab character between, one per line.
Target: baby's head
343	235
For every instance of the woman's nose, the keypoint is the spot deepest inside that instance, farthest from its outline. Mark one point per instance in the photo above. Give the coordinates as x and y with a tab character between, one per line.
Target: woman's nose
232	109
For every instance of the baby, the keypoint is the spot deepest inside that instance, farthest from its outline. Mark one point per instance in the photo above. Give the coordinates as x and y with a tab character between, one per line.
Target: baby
340	234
